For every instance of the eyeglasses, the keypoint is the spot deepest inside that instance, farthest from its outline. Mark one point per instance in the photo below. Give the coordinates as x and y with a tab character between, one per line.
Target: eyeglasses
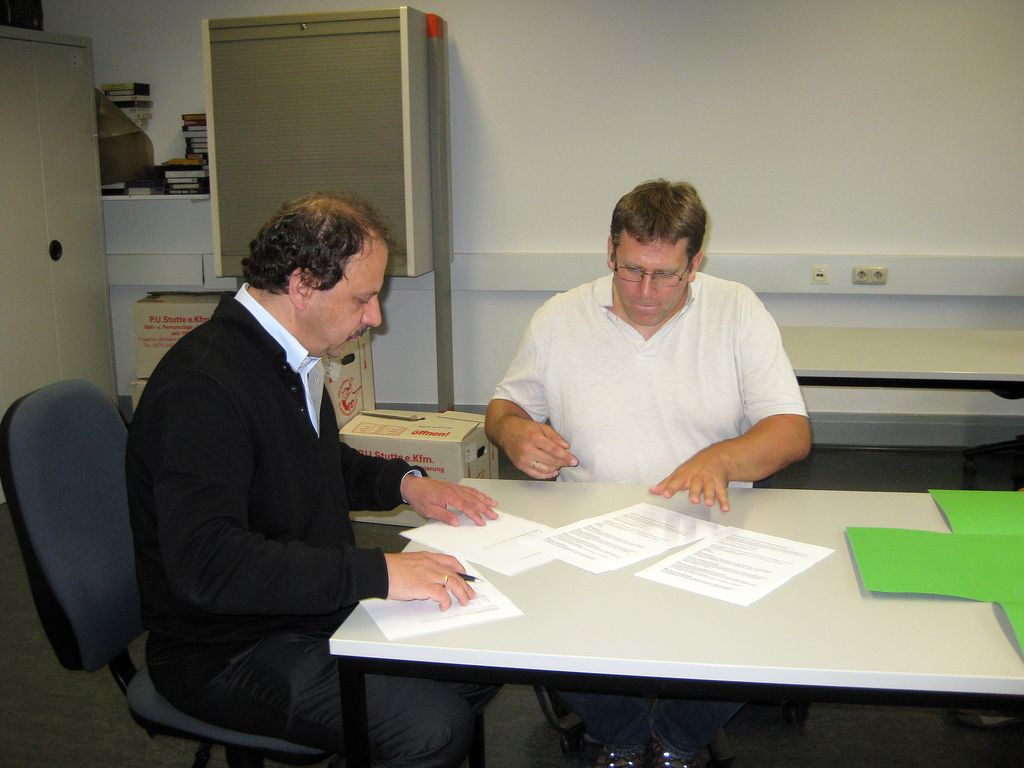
658	279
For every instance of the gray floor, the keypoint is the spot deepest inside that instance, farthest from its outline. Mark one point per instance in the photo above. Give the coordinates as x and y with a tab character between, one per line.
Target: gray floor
49	716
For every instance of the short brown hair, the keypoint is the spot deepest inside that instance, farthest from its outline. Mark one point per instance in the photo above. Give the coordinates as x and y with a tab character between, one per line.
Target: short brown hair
659	210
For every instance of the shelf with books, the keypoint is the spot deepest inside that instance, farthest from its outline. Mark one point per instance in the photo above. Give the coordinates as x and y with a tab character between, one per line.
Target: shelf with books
129	198
133	99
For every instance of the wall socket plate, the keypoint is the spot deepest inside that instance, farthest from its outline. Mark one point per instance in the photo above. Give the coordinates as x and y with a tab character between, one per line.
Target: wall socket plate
870	275
819	274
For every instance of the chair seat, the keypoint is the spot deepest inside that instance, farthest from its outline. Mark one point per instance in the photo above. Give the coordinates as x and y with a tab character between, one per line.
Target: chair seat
146	704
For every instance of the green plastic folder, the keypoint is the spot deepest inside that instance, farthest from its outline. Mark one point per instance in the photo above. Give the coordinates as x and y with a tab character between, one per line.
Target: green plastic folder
982	559
996	512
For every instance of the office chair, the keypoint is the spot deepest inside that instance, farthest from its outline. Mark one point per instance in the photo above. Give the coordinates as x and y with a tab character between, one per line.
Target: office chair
1016	445
62	451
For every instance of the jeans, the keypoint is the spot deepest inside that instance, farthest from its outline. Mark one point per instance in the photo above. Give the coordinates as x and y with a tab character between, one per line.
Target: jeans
287	686
626	723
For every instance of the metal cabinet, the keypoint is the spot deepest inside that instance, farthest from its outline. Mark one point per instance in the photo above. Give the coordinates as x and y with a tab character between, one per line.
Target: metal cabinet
353	101
54	302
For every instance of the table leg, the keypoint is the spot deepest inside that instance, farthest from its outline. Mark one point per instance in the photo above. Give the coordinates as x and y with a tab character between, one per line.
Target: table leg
353	714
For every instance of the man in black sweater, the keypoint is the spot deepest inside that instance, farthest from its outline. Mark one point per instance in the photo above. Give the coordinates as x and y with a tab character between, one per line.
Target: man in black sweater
240	492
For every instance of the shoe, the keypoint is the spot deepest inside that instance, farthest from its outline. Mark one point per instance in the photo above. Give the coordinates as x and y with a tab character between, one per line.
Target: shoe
979	718
610	758
662	758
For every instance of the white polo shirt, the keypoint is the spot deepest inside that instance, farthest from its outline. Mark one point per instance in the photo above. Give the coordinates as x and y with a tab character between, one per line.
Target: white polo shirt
634	409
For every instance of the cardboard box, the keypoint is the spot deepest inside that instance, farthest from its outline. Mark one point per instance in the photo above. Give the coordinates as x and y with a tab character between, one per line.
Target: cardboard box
349	380
448	446
161	319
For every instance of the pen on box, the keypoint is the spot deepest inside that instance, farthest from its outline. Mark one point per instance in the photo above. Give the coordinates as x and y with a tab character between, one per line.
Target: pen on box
467	577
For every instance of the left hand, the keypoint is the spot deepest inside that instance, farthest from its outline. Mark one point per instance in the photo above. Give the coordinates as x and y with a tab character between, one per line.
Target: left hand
764	449
706	476
431	498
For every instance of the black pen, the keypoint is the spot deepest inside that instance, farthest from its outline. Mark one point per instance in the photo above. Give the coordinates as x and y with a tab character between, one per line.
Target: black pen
467	577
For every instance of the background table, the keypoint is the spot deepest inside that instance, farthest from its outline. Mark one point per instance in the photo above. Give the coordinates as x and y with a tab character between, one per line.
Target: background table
952	358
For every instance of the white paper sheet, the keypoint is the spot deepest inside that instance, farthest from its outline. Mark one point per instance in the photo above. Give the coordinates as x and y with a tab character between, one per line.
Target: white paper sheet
624	537
499	545
736	565
407	618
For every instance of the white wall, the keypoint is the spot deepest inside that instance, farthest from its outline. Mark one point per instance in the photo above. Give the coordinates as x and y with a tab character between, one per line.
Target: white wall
817	132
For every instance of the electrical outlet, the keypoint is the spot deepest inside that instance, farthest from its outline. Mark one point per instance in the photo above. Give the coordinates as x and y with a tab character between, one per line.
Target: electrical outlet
819	274
870	275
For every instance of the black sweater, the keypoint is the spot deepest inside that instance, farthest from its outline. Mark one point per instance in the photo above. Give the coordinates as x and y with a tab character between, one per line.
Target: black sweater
239	510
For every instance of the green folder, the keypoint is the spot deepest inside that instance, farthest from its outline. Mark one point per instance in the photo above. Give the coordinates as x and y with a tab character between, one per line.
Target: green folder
982	559
998	512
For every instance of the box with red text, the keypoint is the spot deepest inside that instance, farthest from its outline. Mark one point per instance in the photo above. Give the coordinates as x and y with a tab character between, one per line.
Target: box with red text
448	446
160	319
349	380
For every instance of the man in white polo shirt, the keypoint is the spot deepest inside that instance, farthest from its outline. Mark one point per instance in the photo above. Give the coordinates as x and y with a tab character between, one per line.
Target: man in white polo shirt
654	374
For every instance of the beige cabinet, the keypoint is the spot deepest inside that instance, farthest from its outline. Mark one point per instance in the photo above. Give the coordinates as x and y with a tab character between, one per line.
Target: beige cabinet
54	301
347	100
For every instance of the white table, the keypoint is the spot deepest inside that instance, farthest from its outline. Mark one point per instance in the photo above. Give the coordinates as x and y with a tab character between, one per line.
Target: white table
952	358
819	637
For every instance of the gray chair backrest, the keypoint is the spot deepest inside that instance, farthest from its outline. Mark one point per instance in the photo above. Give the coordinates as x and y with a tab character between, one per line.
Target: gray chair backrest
63	450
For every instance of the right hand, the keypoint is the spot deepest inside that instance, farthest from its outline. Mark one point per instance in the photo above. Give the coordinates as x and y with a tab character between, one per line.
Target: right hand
535	448
427	576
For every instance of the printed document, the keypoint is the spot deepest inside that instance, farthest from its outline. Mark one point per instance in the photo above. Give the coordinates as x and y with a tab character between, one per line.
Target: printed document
499	545
624	537
736	565
398	619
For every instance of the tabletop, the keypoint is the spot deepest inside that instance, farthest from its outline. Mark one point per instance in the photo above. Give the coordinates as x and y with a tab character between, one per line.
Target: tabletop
935	355
819	629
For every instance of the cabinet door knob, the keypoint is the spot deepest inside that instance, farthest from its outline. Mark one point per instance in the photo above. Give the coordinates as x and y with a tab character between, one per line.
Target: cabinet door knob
56	250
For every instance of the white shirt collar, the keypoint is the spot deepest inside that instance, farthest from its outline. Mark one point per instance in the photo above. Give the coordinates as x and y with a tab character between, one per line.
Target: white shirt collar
298	356
606	298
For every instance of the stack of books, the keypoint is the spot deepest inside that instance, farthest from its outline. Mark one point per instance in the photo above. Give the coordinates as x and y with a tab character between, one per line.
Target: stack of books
185	176
134	188
131	98
193	125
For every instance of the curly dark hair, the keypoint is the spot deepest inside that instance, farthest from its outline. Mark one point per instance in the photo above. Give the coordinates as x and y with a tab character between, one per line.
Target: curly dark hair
659	210
317	233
